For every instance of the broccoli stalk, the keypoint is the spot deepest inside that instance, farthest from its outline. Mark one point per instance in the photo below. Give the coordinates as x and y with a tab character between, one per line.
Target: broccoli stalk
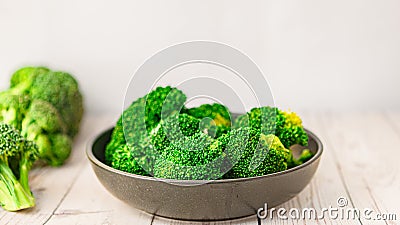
17	156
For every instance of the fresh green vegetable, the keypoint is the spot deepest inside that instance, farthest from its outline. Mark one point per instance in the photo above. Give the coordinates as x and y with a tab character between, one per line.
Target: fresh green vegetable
22	80
286	125
12	108
122	159
16	158
137	124
262	154
46	107
58	88
190	158
43	125
157	135
216	118
174	128
61	90
117	140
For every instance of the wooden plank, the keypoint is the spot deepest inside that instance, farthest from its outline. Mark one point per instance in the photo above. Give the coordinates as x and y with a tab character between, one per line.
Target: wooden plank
89	202
366	154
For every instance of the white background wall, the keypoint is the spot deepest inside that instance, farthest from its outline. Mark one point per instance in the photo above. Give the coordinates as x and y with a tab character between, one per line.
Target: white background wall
322	55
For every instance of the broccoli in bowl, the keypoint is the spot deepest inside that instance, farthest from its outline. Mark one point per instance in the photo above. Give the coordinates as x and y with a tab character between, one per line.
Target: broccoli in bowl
157	135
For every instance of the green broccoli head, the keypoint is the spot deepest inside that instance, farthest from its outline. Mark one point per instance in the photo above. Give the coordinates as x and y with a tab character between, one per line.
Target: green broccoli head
122	159
192	150
21	81
117	139
46	116
61	90
61	147
290	130
196	157
156	135
269	120
13	108
58	88
145	113
216	118
161	103
139	121
263	119
17	156
262	154
174	128
43	125
54	149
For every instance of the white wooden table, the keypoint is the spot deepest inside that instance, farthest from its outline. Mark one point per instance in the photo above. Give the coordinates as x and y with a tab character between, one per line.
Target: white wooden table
361	162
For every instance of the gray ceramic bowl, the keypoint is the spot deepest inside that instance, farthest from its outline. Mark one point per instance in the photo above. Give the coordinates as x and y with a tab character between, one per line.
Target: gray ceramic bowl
217	200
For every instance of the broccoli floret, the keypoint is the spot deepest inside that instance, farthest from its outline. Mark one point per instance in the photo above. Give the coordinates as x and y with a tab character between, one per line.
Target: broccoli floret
58	88
17	156
269	120
46	107
12	108
216	118
117	140
21	81
138	122
62	91
123	160
290	131
61	146
161	103
264	119
191	151
46	116
196	157
43	125
158	136
262	154
174	128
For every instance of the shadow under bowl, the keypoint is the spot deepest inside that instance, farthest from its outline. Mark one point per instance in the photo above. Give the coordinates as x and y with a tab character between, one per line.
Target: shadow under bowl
196	200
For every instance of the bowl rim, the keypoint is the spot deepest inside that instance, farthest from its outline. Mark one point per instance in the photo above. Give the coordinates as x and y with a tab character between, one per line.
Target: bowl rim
94	160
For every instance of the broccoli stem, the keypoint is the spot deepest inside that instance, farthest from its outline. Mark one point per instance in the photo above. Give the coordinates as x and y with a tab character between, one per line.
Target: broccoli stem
13	196
23	174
